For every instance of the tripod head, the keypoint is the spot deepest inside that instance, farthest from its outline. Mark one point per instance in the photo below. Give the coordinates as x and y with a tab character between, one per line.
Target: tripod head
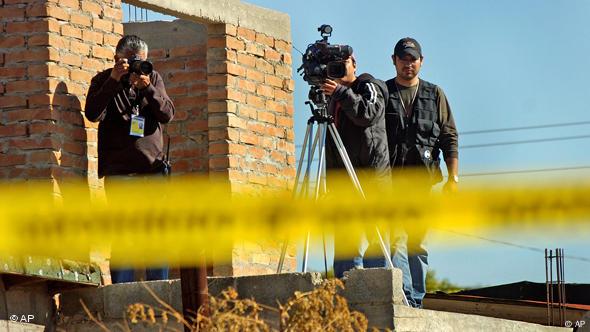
318	104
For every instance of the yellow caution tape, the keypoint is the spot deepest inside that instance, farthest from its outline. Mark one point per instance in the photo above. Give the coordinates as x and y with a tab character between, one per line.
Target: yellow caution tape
174	222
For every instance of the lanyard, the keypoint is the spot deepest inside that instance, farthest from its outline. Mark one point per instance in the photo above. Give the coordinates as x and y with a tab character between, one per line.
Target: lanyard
402	100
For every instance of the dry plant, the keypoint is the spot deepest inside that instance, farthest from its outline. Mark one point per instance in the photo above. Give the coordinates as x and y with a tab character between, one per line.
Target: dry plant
319	310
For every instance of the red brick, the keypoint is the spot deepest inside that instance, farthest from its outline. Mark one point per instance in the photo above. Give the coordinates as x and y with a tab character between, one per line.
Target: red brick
265	91
81	19
264	39
190	102
248	112
221	29
176	91
247	60
12	101
118	28
237	70
27	27
12	130
286	57
158	53
72	59
112	40
80	75
254	75
70	31
225	106
273	81
248	138
187	51
33	143
32	55
258	179
185	77
284	71
79	48
40	100
256	49
101	24
27	86
272	55
12	72
11	41
247	85
91	7
102	52
255	101
264	66
31	114
284	121
74	4
281	45
257	152
114	13
44	70
12	159
247	33
12	13
289	84
48	39
274	106
94	65
46	10
267	117
197	64
281	95
92	37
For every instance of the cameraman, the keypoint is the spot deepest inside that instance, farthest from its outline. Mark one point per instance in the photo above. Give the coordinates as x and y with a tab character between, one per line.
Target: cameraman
357	105
130	106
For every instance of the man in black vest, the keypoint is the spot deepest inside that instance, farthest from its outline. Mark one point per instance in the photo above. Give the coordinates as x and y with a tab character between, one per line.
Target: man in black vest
357	105
419	125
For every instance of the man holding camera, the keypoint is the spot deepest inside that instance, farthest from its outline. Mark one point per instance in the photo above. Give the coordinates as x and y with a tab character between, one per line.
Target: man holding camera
419	125
131	103
357	105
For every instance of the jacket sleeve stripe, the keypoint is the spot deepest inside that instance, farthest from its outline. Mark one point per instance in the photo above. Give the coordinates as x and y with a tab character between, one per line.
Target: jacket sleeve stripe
373	91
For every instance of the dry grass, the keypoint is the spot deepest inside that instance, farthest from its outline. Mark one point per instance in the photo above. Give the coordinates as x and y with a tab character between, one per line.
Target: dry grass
319	310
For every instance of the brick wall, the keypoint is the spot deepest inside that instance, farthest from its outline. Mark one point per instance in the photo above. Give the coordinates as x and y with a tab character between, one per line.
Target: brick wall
178	51
49	50
251	135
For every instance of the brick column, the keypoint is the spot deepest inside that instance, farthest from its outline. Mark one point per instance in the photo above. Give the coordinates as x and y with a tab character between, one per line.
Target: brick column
49	51
251	139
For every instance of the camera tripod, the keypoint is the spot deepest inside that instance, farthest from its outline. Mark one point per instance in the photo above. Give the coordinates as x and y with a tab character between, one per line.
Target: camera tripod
311	144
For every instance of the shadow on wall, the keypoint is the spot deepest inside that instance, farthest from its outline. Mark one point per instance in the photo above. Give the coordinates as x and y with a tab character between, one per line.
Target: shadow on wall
70	137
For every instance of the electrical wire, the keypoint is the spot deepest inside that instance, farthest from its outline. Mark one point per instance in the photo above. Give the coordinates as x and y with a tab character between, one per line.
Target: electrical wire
554	125
510	244
524	171
551	139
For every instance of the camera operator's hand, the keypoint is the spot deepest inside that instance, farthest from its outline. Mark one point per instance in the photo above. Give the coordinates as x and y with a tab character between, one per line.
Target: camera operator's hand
139	81
328	87
120	69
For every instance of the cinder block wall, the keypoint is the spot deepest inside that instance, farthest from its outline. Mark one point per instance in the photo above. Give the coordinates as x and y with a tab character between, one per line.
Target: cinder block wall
49	50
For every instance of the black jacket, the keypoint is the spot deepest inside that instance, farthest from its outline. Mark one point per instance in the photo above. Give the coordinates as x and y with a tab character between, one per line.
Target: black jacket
359	116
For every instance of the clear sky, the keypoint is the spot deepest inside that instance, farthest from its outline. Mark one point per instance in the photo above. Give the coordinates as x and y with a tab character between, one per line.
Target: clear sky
502	64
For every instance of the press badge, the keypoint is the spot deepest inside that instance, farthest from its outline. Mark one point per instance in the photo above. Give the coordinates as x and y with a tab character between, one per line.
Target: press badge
137	125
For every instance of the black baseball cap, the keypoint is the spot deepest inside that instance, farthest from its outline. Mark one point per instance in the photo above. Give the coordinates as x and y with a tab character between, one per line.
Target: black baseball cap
407	46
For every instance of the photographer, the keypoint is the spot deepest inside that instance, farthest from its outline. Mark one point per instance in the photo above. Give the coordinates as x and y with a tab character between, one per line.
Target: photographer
131	103
357	105
419	125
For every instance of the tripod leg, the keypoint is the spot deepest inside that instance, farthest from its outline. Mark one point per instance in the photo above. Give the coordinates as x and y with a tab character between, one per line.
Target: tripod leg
305	253
323	132
298	190
325	255
355	180
345	159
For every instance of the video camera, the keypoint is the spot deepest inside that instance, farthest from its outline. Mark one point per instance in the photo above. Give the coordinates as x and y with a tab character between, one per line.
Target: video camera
322	60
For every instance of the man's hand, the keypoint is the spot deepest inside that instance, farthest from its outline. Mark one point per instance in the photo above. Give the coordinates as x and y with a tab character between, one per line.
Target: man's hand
328	87
139	81
121	68
451	186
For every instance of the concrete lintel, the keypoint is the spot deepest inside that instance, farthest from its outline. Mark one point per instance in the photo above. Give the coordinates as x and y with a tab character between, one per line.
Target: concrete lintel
267	21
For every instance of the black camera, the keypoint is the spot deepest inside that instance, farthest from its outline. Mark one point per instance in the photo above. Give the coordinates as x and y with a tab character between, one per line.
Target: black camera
322	60
139	66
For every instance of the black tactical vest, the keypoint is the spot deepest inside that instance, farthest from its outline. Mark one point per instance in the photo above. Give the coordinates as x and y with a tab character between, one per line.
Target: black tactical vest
413	141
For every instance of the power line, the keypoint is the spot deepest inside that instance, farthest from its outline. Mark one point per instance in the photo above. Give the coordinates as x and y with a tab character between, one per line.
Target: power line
540	140
554	125
510	244
539	170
